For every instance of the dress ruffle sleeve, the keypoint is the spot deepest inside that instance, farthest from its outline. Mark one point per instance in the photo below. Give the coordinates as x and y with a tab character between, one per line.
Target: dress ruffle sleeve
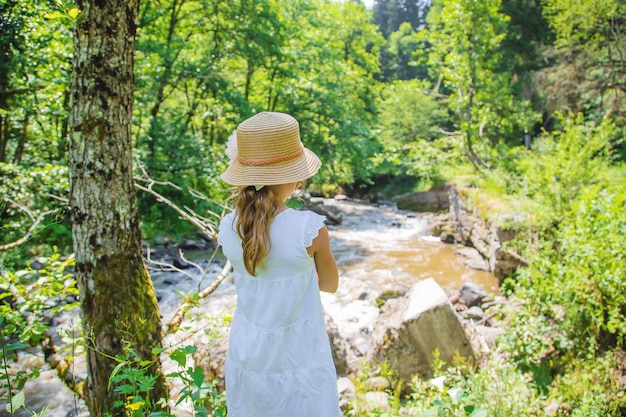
312	228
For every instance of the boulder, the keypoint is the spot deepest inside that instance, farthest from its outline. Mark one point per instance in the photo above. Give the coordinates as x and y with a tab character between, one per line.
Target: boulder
436	199
410	329
332	213
338	345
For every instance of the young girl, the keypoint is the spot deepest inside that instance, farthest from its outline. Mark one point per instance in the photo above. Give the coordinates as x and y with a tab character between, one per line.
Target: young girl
279	362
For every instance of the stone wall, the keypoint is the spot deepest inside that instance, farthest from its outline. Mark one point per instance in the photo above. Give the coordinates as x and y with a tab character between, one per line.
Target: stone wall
462	224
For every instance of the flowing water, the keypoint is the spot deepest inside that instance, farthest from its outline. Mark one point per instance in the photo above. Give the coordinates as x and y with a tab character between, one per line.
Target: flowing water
378	249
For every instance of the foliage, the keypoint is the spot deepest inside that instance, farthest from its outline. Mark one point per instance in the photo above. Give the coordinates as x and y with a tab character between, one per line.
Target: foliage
389	15
132	379
387	381
203	394
397	56
330	88
464	54
34	81
351	78
591	387
587	70
578	283
28	299
408	113
496	388
561	165
196	86
29	192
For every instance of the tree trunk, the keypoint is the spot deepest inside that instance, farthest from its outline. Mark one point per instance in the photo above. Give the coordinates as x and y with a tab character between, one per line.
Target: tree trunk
19	150
4	135
118	303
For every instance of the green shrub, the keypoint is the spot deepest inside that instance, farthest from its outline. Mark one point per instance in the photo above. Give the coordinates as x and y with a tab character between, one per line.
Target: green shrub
28	299
591	387
557	169
577	284
496	388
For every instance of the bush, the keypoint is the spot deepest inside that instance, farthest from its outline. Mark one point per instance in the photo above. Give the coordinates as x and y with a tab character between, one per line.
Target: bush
558	168
578	283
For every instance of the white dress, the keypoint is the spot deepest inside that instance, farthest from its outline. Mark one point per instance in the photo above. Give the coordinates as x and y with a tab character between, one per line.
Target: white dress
279	362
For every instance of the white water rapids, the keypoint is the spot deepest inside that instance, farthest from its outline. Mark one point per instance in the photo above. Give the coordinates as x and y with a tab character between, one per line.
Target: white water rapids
377	248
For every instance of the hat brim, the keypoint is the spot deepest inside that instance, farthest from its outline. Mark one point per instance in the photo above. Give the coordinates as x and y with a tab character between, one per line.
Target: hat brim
284	172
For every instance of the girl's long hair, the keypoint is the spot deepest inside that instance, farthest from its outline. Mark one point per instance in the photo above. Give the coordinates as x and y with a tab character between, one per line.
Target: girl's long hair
255	211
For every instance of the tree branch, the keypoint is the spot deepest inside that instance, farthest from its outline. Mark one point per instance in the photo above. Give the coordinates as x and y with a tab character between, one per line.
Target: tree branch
62	366
207	226
36	221
186	305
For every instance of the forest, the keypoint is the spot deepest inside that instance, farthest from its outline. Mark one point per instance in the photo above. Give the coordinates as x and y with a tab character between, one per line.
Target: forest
523	101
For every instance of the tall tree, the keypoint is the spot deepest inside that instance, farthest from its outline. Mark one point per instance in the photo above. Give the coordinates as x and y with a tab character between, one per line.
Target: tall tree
465	55
118	302
390	14
589	57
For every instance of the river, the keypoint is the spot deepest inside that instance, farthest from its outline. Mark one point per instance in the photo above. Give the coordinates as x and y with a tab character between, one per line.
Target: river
378	248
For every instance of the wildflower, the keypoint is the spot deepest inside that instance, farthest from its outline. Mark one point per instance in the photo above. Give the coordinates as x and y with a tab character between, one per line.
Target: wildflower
438	382
135	406
454	394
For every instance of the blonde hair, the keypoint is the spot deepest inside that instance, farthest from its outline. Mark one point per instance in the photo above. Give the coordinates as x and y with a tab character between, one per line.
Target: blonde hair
255	211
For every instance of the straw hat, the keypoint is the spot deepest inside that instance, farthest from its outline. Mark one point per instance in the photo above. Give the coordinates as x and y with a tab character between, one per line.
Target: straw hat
269	152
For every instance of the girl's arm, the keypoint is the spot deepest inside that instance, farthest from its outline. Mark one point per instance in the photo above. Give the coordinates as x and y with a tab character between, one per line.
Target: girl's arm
325	263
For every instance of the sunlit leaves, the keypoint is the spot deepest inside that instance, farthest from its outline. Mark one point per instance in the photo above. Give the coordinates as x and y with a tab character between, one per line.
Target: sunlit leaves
465	55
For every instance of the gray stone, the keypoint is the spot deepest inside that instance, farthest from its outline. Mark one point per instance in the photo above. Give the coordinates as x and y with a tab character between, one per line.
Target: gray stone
474	312
469	229
378	383
473	258
436	199
376	400
489	334
471	294
347	392
407	333
332	213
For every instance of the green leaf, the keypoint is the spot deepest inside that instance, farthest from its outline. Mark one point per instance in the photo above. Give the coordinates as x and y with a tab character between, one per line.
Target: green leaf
73	13
114	373
179	356
15	346
157	351
479	413
197	374
16	402
54	15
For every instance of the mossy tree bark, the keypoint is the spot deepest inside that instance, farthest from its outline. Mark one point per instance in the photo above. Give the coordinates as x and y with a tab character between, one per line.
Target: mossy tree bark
118	302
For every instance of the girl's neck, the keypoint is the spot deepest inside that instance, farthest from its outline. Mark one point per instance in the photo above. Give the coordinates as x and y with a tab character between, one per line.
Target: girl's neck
280	208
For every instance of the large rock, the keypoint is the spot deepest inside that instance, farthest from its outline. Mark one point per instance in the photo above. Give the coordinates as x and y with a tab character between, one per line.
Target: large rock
436	199
412	328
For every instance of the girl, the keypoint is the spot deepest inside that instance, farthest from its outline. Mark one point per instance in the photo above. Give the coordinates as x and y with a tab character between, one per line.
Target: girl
279	362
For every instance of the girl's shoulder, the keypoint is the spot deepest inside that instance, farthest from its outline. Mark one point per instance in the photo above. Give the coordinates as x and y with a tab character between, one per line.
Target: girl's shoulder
305	216
306	223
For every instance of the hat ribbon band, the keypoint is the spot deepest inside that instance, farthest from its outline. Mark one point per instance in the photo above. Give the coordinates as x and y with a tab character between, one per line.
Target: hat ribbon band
273	160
